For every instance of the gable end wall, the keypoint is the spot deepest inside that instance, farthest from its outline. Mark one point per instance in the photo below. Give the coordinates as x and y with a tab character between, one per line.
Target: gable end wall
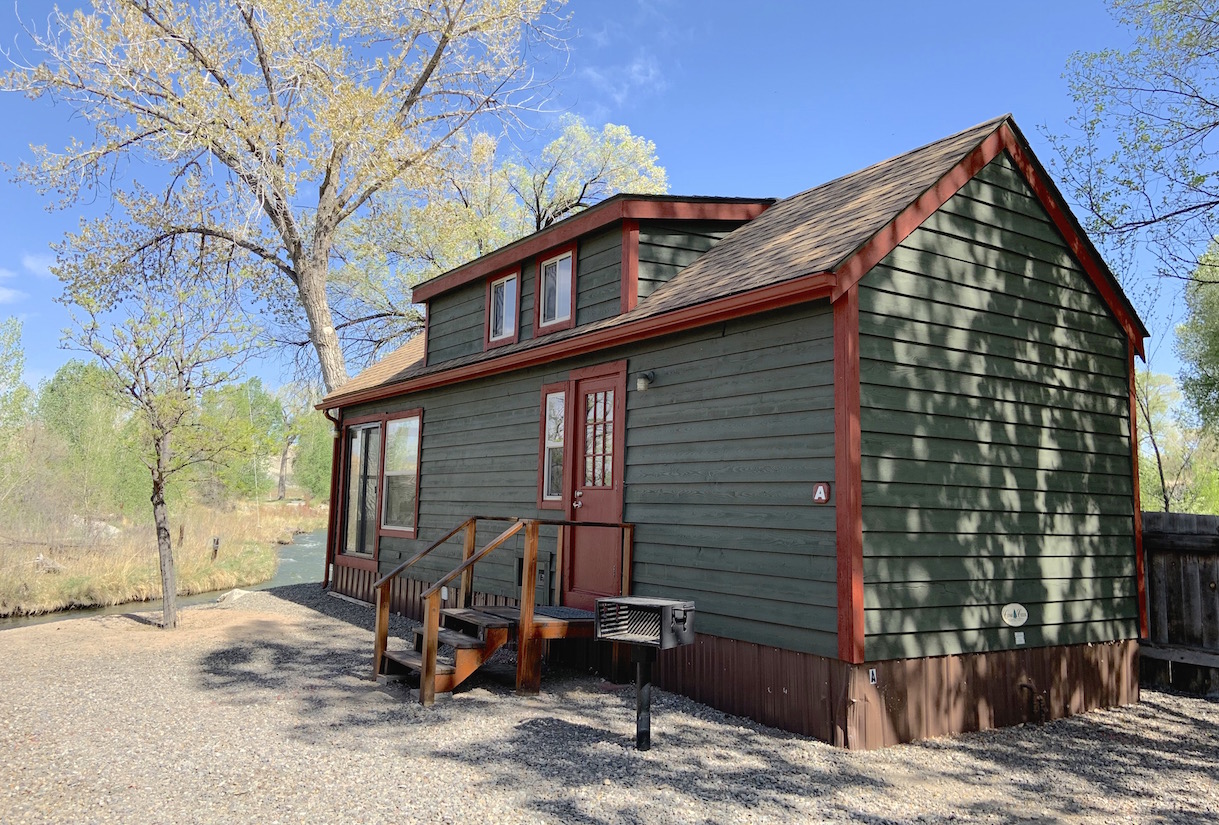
996	455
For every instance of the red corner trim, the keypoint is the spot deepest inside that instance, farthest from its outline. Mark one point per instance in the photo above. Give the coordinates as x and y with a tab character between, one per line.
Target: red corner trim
588	220
788	293
630	264
848	478
1140	568
910	218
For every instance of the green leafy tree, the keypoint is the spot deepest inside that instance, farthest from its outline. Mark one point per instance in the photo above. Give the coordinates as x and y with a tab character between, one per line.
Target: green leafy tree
90	438
1198	346
292	116
14	408
314	455
1139	153
175	331
253	420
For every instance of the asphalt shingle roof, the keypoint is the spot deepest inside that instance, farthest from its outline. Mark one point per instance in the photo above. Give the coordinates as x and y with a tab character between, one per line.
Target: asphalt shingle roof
814	231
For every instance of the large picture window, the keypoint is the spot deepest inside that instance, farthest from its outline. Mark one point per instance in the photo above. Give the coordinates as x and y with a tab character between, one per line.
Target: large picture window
503	302
556	290
380	483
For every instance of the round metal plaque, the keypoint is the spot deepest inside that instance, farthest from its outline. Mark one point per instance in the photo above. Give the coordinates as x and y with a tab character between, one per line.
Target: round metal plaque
1015	615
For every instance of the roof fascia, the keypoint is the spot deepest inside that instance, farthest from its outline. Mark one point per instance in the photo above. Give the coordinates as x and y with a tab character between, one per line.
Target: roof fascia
1005	137
799	290
599	216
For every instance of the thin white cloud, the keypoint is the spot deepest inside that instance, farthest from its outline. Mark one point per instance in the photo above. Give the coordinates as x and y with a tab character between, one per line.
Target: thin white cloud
641	76
8	295
39	265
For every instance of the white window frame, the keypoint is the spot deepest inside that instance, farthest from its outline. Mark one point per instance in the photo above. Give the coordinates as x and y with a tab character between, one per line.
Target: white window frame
511	308
561	306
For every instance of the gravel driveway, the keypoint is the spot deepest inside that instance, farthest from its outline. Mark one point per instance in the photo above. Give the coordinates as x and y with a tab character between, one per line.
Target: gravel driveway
258	710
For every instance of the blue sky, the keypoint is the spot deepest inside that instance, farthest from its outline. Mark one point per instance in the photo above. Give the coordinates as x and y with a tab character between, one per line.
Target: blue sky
752	99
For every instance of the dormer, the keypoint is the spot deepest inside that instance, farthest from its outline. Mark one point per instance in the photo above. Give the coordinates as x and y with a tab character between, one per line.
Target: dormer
587	268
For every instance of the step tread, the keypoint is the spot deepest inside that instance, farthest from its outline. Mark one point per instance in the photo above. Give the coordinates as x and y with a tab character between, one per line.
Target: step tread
476	617
414	661
454	638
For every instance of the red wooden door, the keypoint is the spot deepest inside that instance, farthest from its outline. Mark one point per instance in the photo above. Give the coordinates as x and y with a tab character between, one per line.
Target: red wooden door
594	554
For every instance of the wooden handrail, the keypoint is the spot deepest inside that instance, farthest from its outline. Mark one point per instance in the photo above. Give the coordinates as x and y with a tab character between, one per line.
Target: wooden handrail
397	571
470	562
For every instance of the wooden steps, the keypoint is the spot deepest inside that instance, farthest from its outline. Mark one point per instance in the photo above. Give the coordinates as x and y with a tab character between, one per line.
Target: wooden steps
475	634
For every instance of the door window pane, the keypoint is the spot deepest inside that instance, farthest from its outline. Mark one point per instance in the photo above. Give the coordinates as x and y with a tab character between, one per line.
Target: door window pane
599	439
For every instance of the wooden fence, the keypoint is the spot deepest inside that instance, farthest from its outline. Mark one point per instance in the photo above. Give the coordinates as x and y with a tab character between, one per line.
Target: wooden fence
1182	557
1182	553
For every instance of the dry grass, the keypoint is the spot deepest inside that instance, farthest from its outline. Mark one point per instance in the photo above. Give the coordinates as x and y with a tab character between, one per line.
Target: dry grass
94	565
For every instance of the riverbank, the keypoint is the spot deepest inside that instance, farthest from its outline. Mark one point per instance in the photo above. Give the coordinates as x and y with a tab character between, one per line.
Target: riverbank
259	708
98	564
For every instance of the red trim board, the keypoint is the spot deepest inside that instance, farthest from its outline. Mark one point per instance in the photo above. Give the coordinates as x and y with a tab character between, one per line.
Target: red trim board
1140	562
848	502
630	265
604	214
788	293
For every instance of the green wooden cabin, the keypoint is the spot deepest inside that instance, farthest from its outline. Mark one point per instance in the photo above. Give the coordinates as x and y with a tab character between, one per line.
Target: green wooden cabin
880	432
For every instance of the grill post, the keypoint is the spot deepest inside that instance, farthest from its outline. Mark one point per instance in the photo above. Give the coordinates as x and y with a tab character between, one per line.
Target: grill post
644	657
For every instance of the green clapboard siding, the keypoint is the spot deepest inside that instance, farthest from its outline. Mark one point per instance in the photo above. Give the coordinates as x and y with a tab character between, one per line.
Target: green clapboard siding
455	323
995	436
599	276
722	453
665	248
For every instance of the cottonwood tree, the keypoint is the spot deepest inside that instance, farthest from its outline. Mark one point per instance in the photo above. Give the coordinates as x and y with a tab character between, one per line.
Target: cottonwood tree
486	192
1140	153
173	331
304	112
14	407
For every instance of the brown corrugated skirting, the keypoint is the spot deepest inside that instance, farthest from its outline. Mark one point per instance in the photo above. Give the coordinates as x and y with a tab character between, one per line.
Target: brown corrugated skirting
912	699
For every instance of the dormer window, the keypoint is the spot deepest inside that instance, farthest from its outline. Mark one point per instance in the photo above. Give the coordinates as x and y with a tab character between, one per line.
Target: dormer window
503	301
556	290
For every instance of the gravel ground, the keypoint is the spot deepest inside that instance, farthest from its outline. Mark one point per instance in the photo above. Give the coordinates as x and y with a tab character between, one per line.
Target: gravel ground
259	709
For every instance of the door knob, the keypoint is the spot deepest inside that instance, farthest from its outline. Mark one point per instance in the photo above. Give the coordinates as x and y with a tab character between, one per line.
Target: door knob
576	505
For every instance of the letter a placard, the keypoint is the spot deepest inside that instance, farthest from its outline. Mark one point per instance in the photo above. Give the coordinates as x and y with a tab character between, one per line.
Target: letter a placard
821	492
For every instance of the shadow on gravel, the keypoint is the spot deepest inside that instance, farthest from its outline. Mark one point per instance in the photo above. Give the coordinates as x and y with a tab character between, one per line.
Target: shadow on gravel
1122	759
322	672
689	768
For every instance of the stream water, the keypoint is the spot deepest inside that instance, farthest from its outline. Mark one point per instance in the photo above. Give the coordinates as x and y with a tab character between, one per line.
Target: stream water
299	562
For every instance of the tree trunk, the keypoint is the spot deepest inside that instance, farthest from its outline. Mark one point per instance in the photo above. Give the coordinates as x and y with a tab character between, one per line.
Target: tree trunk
165	550
283	468
312	272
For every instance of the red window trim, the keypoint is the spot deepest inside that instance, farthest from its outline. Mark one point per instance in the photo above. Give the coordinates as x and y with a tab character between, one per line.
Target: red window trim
570	320
568	398
516	324
364	562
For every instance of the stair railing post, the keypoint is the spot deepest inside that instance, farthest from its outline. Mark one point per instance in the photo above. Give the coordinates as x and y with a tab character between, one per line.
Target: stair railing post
382	629
431	630
528	650
465	592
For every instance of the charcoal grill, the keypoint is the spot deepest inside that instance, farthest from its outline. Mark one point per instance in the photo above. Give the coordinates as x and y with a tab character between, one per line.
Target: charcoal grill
647	625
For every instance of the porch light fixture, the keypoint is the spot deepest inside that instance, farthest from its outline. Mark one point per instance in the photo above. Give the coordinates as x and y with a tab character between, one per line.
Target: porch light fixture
644	380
